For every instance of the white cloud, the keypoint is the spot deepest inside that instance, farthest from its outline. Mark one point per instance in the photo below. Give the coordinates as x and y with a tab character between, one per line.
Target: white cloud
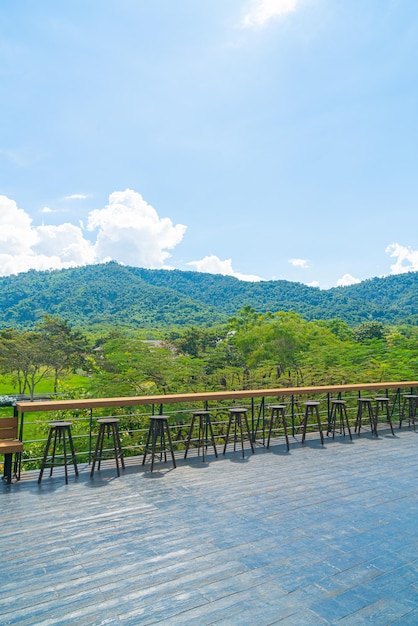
302	263
47	209
127	230
213	265
314	283
24	247
131	232
76	196
262	11
66	243
347	280
16	232
406	258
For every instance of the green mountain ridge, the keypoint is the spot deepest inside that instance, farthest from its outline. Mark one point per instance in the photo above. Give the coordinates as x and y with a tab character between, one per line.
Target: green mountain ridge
133	297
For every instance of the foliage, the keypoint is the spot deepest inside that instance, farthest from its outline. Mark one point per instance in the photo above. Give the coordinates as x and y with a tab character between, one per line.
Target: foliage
109	295
369	330
30	355
252	350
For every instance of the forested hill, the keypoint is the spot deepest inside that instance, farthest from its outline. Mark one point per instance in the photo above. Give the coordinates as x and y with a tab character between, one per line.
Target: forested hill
113	294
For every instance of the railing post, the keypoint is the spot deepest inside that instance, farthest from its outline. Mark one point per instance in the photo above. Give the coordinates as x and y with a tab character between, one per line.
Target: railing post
293	414
329	411
91	435
252	420
260	413
18	455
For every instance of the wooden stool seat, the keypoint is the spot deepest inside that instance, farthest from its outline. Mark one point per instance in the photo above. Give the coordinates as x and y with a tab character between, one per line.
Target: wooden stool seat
363	404
159	440
278	414
312	409
238	415
108	426
338	410
409	409
205	433
59	433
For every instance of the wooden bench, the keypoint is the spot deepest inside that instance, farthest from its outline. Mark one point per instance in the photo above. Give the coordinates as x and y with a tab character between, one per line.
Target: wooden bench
9	444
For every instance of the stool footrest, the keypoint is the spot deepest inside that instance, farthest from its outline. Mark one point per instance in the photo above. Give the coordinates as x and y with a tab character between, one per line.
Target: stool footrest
159	441
59	434
110	427
237	417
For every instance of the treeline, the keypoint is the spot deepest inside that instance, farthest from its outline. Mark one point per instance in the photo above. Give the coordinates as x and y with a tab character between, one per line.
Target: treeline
112	295
250	350
53	349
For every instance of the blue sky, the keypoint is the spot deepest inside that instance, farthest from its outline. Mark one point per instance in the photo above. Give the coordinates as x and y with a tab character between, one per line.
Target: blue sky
267	139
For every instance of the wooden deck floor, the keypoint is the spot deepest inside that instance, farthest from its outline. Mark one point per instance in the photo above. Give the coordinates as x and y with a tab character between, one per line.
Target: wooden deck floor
319	535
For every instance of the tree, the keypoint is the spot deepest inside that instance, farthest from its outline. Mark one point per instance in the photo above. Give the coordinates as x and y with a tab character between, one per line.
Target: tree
23	353
66	348
369	330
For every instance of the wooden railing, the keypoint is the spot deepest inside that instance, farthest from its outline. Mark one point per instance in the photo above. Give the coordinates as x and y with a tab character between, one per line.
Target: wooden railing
85	410
207	396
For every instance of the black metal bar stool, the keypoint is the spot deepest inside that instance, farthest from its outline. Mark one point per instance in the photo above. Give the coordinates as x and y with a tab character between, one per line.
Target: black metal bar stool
363	404
312	409
382	403
158	436
278	414
59	433
236	417
204	435
409	409
338	411
108	426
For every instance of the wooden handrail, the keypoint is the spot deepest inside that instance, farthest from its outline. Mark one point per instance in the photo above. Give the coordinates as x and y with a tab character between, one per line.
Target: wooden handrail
92	403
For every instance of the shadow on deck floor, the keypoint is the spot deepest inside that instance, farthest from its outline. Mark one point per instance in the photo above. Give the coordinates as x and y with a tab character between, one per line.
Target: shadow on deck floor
319	535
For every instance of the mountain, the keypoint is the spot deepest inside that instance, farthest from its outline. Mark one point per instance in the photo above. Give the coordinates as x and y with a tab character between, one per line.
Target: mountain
112	294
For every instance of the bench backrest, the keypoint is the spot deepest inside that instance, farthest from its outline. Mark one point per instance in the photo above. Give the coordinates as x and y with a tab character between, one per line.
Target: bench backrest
8	428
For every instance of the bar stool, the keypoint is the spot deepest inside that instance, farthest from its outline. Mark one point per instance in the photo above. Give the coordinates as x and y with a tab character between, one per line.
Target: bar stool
237	416
278	413
311	409
157	433
409	409
382	403
59	432
108	426
205	431
338	409
363	404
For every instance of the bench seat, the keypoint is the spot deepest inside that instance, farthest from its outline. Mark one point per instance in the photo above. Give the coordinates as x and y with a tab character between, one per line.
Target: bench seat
9	443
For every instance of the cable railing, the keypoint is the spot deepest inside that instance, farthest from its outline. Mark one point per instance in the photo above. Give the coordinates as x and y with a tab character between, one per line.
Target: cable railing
134	413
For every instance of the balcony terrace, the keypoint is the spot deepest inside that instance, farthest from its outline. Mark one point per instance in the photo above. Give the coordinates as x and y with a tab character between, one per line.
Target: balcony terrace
317	535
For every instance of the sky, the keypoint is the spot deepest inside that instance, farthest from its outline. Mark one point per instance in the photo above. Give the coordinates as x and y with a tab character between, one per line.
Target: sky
263	139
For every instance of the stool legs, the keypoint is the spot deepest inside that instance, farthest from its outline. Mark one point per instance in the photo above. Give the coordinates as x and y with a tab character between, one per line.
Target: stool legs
237	416
383	404
157	433
278	413
205	431
59	432
364	403
409	409
109	427
339	410
312	409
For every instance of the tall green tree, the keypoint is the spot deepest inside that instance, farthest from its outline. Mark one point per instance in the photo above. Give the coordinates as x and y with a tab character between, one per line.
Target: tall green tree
22	354
66	348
